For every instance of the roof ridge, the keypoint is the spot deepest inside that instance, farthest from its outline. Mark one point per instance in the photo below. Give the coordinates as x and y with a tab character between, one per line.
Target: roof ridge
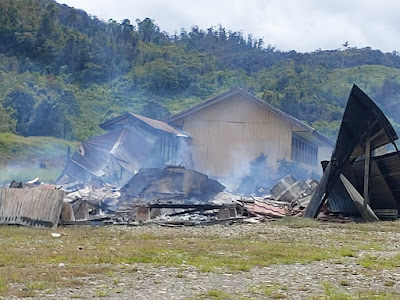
255	99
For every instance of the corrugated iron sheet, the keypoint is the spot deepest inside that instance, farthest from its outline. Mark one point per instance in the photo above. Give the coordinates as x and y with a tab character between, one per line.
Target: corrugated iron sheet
384	180
384	185
261	208
368	214
126	147
161	125
340	202
128	119
360	113
35	207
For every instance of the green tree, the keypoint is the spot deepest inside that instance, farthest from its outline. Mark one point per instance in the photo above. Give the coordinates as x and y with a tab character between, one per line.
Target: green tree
155	110
290	102
20	105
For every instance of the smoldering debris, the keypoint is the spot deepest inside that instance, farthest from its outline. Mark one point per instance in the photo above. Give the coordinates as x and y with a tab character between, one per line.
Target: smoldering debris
131	142
153	193
172	182
170	196
176	196
360	181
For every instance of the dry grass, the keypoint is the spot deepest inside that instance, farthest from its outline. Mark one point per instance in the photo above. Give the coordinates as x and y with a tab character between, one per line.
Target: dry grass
29	258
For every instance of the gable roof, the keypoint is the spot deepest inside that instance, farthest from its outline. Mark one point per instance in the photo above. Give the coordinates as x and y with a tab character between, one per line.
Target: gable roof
240	91
155	124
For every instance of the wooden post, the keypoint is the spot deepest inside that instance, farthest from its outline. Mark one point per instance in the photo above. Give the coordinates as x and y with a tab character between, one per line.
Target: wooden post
68	153
367	167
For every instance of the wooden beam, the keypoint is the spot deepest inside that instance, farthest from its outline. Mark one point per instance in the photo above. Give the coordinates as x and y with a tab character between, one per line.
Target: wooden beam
367	168
358	199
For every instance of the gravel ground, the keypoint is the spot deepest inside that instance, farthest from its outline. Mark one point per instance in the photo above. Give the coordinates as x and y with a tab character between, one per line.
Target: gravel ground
291	282
295	281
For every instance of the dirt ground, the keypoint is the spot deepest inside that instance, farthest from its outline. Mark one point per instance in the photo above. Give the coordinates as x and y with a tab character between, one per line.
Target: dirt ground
346	278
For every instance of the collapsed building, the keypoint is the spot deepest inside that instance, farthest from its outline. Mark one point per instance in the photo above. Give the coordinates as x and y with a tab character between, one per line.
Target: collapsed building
362	177
131	142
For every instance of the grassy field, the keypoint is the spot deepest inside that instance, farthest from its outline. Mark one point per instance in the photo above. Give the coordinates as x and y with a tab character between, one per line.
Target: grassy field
32	261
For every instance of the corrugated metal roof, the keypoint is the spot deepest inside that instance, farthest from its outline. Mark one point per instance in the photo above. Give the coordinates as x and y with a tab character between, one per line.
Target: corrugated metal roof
161	125
127	118
128	147
31	206
360	114
253	98
384	180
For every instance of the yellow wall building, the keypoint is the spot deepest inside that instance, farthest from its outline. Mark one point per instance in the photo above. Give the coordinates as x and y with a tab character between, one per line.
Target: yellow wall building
235	127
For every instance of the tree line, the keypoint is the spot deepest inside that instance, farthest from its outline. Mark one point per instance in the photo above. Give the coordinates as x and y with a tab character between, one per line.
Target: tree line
63	71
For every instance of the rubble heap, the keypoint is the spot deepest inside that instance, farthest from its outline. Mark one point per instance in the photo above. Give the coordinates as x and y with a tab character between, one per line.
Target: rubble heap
171	196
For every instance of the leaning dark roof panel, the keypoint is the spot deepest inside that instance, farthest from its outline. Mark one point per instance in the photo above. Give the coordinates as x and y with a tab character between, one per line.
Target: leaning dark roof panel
360	113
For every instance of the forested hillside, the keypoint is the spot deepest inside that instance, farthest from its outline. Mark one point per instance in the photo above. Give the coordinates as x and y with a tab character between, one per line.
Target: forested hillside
63	71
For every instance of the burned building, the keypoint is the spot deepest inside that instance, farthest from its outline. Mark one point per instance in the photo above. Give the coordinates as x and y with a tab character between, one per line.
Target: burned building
235	127
131	142
218	137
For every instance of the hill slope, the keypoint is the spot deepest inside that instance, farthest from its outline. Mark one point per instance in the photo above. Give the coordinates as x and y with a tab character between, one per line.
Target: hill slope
63	72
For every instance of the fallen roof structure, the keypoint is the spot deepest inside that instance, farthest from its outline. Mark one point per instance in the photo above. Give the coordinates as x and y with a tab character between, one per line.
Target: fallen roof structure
364	128
173	182
132	142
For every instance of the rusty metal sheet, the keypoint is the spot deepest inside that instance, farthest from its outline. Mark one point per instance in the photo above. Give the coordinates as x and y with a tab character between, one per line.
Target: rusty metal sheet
35	207
265	209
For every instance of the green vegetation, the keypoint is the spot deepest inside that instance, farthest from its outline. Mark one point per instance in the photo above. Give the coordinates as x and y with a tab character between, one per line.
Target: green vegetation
101	293
378	263
333	293
273	291
216	295
63	72
33	260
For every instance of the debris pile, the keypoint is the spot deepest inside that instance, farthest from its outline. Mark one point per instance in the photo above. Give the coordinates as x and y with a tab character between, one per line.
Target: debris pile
171	183
170	196
360	180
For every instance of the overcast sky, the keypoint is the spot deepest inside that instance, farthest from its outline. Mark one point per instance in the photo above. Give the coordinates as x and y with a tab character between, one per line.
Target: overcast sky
301	25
